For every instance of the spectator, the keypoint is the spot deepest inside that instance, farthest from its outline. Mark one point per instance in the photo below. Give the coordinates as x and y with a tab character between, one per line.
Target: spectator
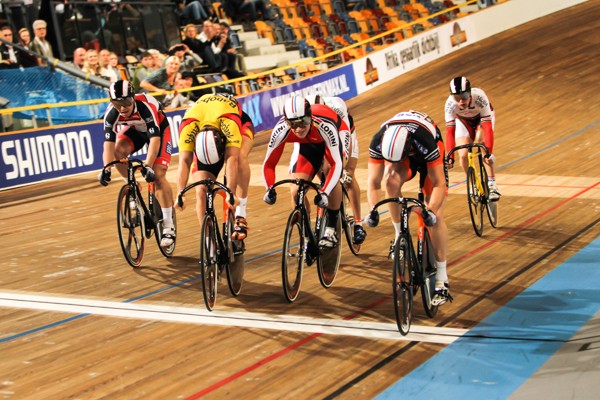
163	79
191	11
39	44
234	59
191	39
237	9
113	62
27	59
91	65
188	59
8	54
141	72
105	68
158	58
79	58
177	99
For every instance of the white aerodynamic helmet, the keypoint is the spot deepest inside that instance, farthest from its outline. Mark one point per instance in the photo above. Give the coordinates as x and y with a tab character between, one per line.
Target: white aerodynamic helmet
210	146
296	110
395	143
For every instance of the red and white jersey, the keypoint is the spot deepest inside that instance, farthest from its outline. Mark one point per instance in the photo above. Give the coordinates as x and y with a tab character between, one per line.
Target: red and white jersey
146	117
326	127
479	106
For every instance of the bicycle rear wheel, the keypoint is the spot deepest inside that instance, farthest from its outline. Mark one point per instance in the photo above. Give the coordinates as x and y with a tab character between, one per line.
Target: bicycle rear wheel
130	224
402	284
293	254
235	266
209	261
428	272
328	262
348	223
475	202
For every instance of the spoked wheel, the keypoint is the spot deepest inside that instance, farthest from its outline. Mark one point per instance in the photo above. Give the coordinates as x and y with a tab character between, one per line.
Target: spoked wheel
429	269
475	202
130	223
209	261
348	224
292	258
235	267
329	260
166	251
402	285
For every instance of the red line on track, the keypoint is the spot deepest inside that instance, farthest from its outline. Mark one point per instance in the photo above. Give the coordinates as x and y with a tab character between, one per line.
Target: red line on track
310	338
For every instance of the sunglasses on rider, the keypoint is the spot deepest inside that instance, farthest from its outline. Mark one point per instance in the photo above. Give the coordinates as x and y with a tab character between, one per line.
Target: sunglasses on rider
462	96
300	122
126	102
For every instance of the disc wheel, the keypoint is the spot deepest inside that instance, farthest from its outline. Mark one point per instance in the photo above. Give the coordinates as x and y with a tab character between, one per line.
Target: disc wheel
130	225
235	267
328	262
292	259
428	273
209	256
475	202
402	285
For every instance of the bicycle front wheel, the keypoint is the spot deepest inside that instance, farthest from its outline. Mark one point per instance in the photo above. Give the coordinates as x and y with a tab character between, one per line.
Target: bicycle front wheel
130	224
475	202
402	284
293	254
328	262
209	261
235	266
428	273
348	223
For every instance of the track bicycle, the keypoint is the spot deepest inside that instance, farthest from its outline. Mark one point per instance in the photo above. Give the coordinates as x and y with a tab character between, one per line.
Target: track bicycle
301	243
411	269
136	220
218	251
477	186
348	221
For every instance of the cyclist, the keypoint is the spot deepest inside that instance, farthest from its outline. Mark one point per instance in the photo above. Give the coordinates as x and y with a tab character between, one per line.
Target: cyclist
319	129
339	106
408	143
468	112
130	122
213	119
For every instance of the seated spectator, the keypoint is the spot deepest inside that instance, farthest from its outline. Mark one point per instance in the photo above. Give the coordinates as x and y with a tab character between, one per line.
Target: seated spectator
191	39
8	54
234	59
105	68
213	43
158	59
255	9
191	11
197	93
39	44
79	58
163	79
27	59
141	72
113	61
188	59
177	99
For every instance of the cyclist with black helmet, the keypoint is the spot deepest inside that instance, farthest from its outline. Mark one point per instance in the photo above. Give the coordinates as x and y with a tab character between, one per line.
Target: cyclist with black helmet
210	138
338	105
130	122
319	129
407	144
468	112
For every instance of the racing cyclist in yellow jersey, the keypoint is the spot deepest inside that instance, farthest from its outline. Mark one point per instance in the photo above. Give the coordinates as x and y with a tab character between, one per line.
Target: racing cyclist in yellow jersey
214	117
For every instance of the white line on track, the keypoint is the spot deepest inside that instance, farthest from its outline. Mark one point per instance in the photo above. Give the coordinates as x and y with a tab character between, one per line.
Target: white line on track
365	329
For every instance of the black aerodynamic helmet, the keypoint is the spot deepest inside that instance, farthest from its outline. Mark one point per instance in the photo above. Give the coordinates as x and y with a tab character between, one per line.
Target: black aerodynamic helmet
121	90
460	85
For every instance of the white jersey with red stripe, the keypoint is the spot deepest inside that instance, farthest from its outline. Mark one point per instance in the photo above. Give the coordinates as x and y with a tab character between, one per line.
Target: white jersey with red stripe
146	117
479	106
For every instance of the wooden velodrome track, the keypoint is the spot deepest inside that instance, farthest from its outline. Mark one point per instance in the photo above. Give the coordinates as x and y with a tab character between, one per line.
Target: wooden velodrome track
77	322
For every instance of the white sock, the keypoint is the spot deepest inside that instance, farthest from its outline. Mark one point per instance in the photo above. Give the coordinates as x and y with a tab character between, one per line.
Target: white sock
491	182
240	210
167	217
441	274
397	228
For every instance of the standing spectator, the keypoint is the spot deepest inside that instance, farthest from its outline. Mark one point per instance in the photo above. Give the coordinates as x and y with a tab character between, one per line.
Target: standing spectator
79	58
27	59
8	55
39	44
141	72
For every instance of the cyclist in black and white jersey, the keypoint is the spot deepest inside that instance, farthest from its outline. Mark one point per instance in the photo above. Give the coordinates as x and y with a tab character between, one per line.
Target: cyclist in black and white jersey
130	122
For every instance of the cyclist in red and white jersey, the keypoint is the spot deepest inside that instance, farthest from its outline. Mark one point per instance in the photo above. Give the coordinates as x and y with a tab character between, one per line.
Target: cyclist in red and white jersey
131	121
318	128
338	105
468	112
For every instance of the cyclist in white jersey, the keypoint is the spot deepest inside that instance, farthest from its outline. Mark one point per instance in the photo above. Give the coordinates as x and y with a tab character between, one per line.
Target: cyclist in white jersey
469	112
338	105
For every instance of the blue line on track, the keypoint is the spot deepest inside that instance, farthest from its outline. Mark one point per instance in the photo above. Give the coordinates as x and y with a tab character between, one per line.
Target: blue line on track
499	354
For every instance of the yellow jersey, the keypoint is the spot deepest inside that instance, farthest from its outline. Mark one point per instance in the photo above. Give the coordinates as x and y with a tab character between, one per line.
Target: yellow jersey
211	110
